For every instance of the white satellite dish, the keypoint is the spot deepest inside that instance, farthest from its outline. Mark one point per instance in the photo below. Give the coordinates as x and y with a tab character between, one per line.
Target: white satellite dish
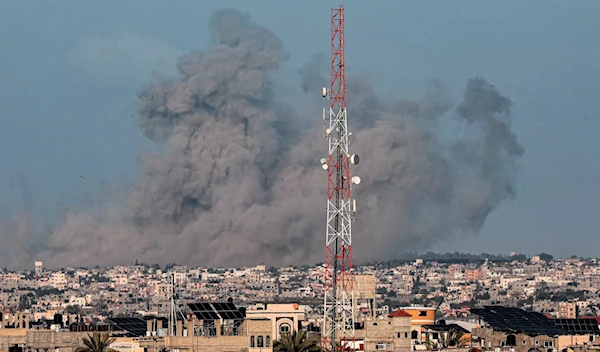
356	180
328	131
324	166
354	159
324	92
323	160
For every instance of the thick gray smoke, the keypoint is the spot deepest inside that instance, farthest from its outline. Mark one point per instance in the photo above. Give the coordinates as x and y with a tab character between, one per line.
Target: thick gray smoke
239	184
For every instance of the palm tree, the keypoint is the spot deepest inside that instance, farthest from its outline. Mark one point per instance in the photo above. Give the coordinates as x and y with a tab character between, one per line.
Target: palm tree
96	343
452	338
295	342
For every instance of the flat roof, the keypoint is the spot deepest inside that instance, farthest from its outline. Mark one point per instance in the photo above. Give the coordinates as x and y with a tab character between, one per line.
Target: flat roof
417	308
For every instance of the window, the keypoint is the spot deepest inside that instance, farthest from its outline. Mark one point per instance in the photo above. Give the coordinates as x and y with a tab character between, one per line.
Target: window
423	313
374	324
405	335
398	335
524	342
537	342
284	328
548	344
251	341
511	340
268	341
435	336
414	334
260	342
380	346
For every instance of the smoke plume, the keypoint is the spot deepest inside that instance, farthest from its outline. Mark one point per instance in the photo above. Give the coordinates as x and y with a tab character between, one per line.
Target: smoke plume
238	183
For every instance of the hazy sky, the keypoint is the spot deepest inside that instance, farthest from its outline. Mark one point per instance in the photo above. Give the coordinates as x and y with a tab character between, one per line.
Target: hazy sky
70	71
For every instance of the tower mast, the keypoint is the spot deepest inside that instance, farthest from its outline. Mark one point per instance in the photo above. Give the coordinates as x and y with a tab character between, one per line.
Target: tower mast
339	312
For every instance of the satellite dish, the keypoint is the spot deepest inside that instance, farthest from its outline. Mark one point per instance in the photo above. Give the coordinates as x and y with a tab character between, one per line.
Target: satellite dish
323	160
324	166
324	92
354	159
356	180
328	131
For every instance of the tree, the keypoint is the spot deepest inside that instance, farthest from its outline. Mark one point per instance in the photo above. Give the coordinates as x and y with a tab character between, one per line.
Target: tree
96	343
451	338
484	296
76	309
546	257
295	342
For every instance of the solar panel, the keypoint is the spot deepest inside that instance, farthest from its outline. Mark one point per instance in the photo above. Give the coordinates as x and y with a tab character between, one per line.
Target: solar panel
133	326
203	311
578	326
228	311
517	320
216	311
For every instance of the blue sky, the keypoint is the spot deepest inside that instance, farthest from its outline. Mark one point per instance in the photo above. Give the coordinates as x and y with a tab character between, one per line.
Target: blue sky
70	71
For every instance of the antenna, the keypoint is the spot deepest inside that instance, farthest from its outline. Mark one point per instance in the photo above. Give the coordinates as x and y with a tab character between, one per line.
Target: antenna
339	312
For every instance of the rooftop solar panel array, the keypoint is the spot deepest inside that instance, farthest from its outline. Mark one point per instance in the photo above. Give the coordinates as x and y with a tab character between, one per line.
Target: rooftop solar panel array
203	311
578	326
216	311
228	311
519	321
134	326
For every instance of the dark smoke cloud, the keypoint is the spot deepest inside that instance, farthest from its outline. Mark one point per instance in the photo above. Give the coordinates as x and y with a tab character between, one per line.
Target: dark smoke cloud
239	183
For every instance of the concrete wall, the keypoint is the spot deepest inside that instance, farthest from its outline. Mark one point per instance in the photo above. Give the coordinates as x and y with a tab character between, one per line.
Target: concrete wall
260	329
198	343
572	340
421	315
393	332
365	286
495	339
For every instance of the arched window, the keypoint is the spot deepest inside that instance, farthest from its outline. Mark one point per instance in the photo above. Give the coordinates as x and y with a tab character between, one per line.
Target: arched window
268	341
259	341
251	341
285	328
414	334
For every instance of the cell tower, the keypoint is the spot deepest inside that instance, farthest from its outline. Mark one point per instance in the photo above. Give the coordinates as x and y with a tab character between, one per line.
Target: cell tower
339	312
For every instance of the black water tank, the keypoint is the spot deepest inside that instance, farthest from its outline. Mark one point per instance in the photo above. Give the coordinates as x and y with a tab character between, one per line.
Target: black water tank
58	319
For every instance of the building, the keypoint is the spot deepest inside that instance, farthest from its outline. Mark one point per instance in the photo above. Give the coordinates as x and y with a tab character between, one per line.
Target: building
473	275
284	318
391	332
420	315
521	331
39	268
365	295
567	310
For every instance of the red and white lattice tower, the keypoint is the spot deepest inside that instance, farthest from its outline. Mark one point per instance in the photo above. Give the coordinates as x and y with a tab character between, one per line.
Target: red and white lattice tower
339	312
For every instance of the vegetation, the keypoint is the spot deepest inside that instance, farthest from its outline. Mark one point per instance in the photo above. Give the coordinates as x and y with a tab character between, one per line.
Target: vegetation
96	343
295	342
47	291
75	309
451	339
449	258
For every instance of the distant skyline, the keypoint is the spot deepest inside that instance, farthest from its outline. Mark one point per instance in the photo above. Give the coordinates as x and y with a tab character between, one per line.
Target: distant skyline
72	70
